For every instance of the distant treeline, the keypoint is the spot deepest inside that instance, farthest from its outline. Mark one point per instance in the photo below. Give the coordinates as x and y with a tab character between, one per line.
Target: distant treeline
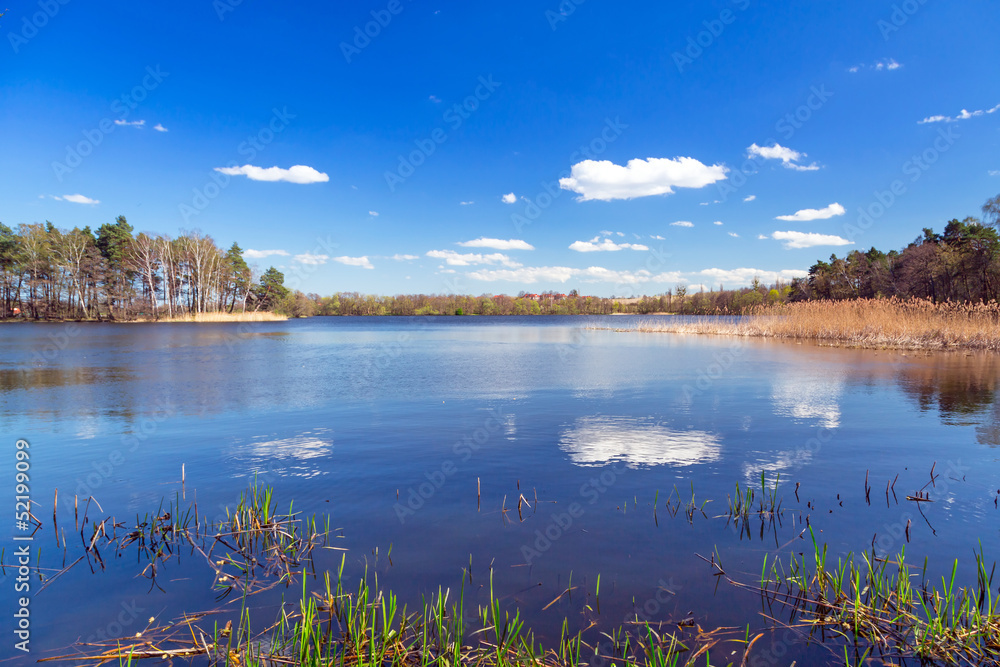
46	272
676	300
50	273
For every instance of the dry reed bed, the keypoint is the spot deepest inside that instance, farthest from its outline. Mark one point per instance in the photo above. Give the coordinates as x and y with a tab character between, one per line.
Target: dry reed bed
873	323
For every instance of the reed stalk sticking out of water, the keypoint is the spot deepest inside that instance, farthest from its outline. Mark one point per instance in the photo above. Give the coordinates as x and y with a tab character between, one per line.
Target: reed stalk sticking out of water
873	603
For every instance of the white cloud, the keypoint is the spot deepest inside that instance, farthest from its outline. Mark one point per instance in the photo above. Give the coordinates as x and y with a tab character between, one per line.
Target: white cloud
750	198
405	258
466	203
762	237
78	199
299	174
965	115
159	128
312	260
354	261
607	245
745	276
261	254
886	64
807	214
138	124
604	180
734	235
717	223
497	244
509	198
658	237
789	158
453	258
435	99
795	240
682	223
994	172
561	274
373	214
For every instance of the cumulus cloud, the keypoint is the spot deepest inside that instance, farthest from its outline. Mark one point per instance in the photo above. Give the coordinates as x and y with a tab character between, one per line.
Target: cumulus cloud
734	235
607	245
807	214
497	244
311	259
453	258
261	254
299	174
404	258
795	240
717	223
605	181
750	198
965	115
159	128
373	214
354	261
762	237
658	237
138	124
745	276
509	198
682	223
789	158
562	274
78	199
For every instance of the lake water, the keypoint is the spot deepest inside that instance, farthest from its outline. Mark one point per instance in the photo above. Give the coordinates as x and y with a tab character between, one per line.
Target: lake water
389	426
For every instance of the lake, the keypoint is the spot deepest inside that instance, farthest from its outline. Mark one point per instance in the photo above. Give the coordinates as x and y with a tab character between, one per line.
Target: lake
531	449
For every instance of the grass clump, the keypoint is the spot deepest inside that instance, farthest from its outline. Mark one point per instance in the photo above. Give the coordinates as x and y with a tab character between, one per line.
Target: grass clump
874	605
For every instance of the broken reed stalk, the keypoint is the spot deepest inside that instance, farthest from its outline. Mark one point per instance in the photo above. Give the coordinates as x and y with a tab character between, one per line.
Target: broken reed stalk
876	604
363	625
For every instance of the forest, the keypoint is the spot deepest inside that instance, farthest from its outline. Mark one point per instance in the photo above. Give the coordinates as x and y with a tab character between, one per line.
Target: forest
47	273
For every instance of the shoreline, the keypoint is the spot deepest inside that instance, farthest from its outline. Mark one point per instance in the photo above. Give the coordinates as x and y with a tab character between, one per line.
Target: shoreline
847	344
861	323
202	318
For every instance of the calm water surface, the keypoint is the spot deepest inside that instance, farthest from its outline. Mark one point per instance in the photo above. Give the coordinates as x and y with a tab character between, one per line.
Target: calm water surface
386	425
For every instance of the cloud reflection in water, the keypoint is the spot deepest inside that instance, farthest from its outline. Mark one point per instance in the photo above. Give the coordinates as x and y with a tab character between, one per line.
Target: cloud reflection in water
807	397
301	455
595	441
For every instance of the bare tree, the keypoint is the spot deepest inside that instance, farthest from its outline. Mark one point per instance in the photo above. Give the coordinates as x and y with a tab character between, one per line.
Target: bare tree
144	257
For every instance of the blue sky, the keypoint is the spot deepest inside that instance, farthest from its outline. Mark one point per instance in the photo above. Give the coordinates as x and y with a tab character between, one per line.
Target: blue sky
614	149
